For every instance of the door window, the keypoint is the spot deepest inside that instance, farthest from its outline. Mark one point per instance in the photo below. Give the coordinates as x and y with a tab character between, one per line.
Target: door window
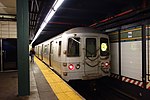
59	49
90	47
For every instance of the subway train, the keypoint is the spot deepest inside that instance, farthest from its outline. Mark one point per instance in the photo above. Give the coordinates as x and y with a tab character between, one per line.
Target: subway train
79	53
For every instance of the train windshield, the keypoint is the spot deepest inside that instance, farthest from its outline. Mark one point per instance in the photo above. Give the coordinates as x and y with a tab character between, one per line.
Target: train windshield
73	47
104	47
90	47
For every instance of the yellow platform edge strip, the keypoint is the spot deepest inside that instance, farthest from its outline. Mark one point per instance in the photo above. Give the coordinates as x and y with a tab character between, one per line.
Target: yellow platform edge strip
61	89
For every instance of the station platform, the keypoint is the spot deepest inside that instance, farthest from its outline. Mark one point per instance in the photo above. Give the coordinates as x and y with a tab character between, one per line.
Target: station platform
44	85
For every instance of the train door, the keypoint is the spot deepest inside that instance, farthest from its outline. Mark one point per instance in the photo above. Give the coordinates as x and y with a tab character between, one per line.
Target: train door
91	55
42	52
52	54
38	51
9	54
45	53
50	49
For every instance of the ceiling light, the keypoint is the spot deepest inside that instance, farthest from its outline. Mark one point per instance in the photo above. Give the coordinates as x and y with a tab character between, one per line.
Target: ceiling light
57	4
49	15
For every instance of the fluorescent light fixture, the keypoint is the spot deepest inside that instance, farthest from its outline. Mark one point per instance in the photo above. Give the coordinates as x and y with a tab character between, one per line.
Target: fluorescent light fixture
43	25
57	4
36	36
49	15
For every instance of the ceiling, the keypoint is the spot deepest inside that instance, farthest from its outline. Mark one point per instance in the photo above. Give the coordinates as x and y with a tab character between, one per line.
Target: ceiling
7	10
77	13
74	13
7	6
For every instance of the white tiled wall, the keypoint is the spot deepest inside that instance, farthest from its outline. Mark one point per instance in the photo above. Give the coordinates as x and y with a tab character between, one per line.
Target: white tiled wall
8	29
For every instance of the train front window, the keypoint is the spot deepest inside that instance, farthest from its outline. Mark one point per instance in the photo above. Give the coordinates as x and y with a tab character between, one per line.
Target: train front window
104	47
91	47
59	49
73	47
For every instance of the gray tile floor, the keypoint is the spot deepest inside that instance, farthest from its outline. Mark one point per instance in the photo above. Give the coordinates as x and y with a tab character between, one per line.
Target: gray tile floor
8	85
39	88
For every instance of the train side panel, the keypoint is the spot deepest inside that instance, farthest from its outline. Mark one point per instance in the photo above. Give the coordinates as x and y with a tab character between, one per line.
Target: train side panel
56	54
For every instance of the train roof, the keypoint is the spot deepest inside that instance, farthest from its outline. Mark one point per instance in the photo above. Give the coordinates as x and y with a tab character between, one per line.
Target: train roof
82	30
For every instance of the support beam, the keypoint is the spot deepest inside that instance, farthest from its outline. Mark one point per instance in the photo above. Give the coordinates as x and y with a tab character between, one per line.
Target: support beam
23	47
119	47
144	55
1	51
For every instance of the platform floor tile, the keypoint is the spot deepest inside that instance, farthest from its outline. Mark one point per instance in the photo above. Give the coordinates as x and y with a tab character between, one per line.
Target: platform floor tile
61	89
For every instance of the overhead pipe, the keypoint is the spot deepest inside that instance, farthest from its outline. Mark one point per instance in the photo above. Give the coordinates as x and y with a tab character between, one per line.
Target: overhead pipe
110	18
64	23
133	17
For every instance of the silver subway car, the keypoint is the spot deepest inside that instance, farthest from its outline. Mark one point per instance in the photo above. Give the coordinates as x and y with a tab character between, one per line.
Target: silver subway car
79	53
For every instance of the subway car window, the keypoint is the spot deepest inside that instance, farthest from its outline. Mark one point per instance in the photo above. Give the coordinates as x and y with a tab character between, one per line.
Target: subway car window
45	49
104	47
90	47
59	49
73	47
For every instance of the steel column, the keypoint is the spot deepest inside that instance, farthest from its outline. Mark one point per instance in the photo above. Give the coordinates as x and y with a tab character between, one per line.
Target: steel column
144	55
1	51
119	47
148	48
23	47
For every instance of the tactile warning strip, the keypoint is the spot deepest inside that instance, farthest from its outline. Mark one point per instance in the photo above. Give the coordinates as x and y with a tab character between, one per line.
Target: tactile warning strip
132	81
61	89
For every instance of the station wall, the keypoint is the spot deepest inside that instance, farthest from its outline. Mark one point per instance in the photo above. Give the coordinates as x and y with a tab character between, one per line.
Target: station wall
8	29
131	52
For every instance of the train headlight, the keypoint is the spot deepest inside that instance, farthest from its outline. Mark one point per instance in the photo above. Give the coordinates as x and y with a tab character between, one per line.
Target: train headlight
104	47
71	67
77	66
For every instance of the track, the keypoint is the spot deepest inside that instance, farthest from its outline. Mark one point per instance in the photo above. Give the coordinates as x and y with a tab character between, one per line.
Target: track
100	89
